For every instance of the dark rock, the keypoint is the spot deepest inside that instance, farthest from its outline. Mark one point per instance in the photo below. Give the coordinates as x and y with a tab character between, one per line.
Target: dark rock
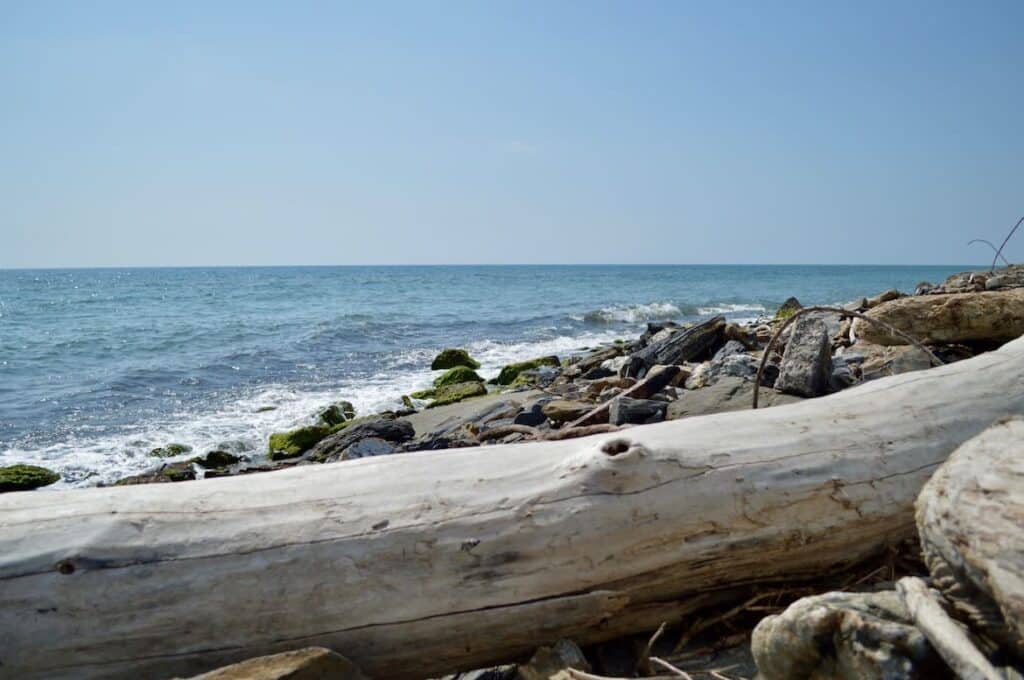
653	328
365	448
170	451
728	394
533	414
728	349
807	361
337	413
509	373
25	477
597	373
842	376
458	374
171	472
788	308
216	459
451	357
625	410
332	448
680	346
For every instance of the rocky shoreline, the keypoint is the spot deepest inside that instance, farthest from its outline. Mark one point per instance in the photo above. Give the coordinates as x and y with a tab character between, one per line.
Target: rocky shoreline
670	371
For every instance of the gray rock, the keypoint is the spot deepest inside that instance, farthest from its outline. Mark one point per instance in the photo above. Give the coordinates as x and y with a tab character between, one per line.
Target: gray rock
842	374
807	362
332	447
728	394
728	349
365	448
624	410
533	414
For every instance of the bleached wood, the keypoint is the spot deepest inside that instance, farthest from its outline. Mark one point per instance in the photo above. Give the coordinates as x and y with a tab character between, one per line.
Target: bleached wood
414	565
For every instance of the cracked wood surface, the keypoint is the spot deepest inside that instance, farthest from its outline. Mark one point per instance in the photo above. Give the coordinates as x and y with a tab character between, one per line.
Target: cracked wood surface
418	564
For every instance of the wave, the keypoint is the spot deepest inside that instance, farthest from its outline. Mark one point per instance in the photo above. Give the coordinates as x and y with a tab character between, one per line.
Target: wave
652	311
731	308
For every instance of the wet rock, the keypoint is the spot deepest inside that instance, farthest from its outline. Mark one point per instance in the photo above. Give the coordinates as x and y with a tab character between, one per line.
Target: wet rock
25	477
625	410
216	459
450	394
510	372
807	362
295	442
311	663
549	662
788	308
844	636
995	317
561	411
451	357
458	374
366	448
337	413
171	472
728	394
333	448
170	451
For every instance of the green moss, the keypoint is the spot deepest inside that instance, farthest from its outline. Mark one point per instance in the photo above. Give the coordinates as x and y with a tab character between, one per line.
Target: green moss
451	357
25	477
450	394
170	451
510	372
423	394
338	413
788	309
459	374
296	442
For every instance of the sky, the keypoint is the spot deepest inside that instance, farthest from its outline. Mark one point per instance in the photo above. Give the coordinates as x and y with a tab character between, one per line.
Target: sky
290	133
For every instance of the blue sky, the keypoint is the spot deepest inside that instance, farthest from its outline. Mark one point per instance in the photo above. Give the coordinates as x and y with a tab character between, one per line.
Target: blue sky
531	132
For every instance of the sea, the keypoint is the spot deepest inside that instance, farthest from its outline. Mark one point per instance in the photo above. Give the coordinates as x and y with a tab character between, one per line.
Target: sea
99	366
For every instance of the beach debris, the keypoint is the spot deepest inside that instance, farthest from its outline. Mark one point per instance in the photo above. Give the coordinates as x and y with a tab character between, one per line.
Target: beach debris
452	357
679	346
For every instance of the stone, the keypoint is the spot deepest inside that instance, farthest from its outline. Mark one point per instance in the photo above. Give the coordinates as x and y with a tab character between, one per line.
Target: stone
624	410
842	376
293	443
871	361
728	394
458	374
337	413
450	394
990	317
788	308
310	663
682	345
844	636
884	296
549	663
597	373
509	373
171	472
451	357
541	376
728	349
807	362
170	451
216	459
333	448
615	365
25	477
533	414
368	447
561	411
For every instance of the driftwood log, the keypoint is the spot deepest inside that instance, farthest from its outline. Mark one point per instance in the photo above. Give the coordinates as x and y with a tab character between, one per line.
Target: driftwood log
419	564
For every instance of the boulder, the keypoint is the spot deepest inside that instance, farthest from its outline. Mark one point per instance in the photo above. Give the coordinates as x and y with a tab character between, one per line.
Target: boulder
681	345
987	317
561	411
216	459
451	357
311	663
788	308
295	442
334	447
728	394
549	663
458	374
540	376
533	413
25	477
625	410
450	394
170	451
337	413
871	361
807	362
884	296
510	372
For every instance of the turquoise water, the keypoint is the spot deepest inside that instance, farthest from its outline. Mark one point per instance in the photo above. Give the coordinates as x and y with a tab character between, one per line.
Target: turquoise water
98	366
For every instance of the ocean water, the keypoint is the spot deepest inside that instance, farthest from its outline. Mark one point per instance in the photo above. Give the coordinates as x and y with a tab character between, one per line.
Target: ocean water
98	366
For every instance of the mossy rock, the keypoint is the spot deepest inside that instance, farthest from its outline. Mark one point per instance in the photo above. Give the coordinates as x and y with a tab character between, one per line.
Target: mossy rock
25	477
338	413
450	394
790	307
510	372
216	459
423	394
451	357
296	442
170	451
459	374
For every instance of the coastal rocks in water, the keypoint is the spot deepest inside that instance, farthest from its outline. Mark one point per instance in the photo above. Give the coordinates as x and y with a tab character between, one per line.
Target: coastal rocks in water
728	394
458	374
625	410
993	317
807	362
294	443
216	459
450	394
682	345
337	413
25	477
844	636
561	411
335	447
310	663
170	451
171	472
451	357
788	308
510	372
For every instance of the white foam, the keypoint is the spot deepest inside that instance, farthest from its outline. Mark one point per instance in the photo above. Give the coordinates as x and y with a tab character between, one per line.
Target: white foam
731	308
652	311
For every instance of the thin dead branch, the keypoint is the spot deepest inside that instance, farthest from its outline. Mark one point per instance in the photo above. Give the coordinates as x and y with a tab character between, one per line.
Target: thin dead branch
1006	240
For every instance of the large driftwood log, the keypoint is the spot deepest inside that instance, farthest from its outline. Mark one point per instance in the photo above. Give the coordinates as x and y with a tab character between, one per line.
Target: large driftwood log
971	519
415	565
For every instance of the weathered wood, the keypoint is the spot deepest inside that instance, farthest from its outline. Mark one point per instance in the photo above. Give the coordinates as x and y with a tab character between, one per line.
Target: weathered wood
656	380
683	345
415	565
970	517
